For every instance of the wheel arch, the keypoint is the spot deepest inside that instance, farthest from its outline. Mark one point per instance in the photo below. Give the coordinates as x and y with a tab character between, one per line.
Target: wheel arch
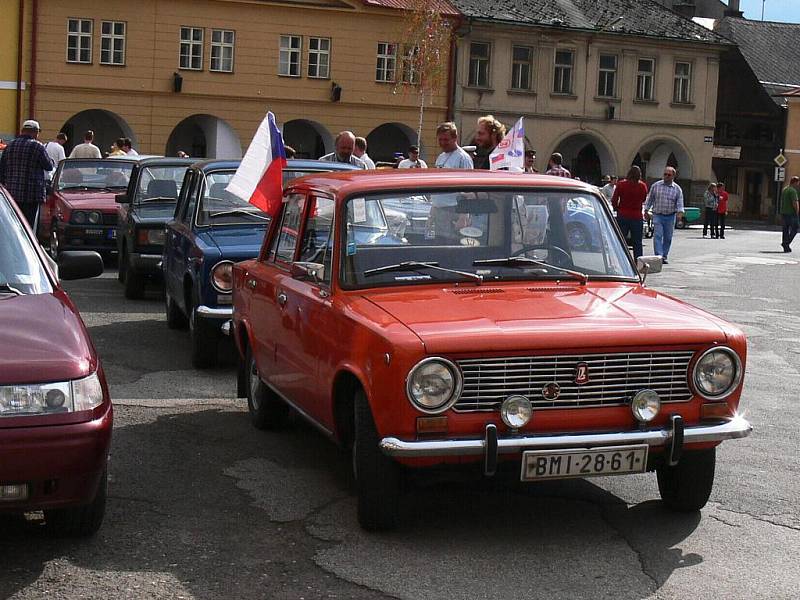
345	385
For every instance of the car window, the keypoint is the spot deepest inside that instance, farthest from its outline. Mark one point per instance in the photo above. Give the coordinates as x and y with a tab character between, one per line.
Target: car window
160	183
181	208
286	238
217	206
20	265
94	175
317	244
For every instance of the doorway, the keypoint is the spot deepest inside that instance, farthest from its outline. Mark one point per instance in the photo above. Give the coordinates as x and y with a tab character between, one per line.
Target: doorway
753	193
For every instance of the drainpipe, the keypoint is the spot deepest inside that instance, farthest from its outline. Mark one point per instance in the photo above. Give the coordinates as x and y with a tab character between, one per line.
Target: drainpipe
451	72
20	49
34	30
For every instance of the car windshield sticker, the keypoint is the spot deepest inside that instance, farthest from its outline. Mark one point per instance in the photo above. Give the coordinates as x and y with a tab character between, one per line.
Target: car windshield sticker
359	210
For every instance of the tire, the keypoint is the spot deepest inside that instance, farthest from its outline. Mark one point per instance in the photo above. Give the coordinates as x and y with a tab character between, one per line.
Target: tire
81	521
378	477
687	486
175	317
134	282
267	410
204	338
578	236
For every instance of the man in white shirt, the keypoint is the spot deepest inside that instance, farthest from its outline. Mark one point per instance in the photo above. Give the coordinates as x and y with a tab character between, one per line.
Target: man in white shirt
127	147
87	149
360	151
55	150
609	183
453	156
413	161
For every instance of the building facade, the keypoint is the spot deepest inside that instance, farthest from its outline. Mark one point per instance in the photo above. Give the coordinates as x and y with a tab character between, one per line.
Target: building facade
11	88
199	75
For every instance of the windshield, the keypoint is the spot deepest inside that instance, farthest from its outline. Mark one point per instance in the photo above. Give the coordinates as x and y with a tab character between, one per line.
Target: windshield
94	175
219	207
160	183
20	268
497	234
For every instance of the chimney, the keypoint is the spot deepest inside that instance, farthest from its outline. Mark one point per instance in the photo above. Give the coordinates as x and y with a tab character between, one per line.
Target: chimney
733	9
685	8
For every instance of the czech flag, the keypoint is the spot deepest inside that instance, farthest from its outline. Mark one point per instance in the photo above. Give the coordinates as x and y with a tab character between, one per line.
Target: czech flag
259	178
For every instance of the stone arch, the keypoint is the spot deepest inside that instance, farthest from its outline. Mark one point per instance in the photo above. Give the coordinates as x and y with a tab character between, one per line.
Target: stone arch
386	139
107	126
204	136
657	152
308	138
587	154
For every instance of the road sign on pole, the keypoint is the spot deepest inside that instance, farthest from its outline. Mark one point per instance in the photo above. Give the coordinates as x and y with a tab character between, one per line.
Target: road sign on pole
780	174
780	160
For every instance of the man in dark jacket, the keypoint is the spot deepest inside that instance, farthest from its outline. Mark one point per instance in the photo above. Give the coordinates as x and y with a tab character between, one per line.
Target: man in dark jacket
490	133
22	168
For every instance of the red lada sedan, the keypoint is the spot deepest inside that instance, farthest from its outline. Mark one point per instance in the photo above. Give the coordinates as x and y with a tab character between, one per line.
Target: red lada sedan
55	411
449	317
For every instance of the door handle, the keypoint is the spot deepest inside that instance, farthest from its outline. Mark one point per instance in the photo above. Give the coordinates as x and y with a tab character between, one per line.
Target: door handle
282	298
252	283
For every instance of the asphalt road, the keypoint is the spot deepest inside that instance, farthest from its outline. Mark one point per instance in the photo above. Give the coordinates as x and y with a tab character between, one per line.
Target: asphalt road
204	506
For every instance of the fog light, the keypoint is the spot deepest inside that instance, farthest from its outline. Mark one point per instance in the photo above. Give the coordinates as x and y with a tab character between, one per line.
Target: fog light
516	411
645	405
14	492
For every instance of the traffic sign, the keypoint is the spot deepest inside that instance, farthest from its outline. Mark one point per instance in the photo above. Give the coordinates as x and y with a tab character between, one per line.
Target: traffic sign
780	160
780	174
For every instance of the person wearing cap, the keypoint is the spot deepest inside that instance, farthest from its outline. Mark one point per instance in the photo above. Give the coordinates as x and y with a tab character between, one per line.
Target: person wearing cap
530	161
23	165
413	161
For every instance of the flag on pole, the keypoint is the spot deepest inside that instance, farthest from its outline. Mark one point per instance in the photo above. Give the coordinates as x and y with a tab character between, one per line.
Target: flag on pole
510	152
259	178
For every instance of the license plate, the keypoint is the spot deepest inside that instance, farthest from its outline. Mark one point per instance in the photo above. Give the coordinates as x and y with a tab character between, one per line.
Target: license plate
94	232
583	462
112	234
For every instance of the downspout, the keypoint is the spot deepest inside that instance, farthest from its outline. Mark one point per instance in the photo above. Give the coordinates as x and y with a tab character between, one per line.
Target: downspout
34	30
451	72
20	49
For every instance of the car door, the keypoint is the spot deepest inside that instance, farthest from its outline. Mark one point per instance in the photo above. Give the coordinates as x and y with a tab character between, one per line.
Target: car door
176	241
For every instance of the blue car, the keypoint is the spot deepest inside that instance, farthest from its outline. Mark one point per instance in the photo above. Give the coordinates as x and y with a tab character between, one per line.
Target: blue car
212	229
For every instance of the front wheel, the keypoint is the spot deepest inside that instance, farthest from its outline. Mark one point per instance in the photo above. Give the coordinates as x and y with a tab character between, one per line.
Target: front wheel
687	486
81	521
267	410
134	282
204	340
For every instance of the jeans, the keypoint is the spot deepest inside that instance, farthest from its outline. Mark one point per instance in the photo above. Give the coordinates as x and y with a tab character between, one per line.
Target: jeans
710	221
721	219
662	234
790	226
634	227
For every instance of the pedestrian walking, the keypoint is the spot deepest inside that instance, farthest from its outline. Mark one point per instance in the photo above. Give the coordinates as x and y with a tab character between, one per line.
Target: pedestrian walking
554	166
360	151
790	212
23	165
490	132
87	149
530	161
710	206
452	156
665	201
413	161
55	150
628	198
609	183
344	144
722	208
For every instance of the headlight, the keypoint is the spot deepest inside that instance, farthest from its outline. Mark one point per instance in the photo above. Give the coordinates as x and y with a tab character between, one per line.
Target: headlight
516	411
51	398
95	217
78	216
433	385
150	237
222	276
645	405
717	373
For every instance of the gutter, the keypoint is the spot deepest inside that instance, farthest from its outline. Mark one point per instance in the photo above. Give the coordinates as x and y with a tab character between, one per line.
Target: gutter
20	47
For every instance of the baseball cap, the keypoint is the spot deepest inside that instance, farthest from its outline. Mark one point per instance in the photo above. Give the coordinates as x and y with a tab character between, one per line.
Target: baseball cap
31	124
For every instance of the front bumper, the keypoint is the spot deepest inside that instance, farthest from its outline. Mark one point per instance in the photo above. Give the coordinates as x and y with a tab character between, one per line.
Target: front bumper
225	313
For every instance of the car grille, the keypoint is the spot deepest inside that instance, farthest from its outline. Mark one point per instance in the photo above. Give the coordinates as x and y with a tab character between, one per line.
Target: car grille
613	379
110	218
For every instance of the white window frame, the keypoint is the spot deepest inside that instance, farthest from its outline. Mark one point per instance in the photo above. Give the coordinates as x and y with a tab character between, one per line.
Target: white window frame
408	70
480	65
112	39
290	57
218	51
192	46
517	66
320	66
386	62
604	74
563	72
79	37
643	78
682	84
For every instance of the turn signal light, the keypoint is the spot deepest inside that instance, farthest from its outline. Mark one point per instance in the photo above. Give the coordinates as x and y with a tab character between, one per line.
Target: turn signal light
427	425
715	410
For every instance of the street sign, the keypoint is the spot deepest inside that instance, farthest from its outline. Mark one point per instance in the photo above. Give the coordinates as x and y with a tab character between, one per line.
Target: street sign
733	152
780	174
780	160
708	139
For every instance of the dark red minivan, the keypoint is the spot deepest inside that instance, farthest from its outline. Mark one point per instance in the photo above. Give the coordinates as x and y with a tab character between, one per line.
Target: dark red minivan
55	410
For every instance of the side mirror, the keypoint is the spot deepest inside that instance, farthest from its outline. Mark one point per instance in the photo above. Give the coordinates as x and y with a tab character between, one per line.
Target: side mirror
649	264
79	265
121	198
307	270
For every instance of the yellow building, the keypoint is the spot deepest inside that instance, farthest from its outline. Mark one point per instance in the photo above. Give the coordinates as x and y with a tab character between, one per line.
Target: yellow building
11	92
199	75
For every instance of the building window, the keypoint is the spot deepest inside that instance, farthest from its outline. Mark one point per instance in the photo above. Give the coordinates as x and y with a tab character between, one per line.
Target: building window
191	48
607	78
521	67
222	44
289	56
79	40
645	73
319	57
112	43
562	74
387	62
682	88
479	55
410	73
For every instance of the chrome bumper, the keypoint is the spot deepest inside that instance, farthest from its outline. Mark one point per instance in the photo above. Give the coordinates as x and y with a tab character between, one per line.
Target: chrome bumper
215	313
735	428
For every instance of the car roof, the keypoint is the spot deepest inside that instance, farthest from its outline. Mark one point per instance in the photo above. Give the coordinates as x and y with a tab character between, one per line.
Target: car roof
293	164
370	181
164	160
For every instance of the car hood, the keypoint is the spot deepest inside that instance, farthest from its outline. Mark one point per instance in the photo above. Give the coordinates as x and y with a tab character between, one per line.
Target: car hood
89	200
546	316
237	243
42	339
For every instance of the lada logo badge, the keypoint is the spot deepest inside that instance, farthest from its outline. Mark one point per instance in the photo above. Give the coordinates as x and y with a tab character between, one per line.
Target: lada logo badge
581	373
551	391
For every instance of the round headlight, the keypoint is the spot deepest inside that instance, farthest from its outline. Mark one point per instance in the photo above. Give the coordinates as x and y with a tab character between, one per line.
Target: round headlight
222	276
79	217
55	398
433	385
645	405
516	411
95	217
717	372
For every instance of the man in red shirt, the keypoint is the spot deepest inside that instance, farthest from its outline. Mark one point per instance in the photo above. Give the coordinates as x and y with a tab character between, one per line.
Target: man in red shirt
722	208
628	199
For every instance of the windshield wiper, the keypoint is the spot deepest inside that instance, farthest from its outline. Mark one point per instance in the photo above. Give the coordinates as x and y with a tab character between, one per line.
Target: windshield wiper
238	211
517	261
78	187
7	287
413	265
158	199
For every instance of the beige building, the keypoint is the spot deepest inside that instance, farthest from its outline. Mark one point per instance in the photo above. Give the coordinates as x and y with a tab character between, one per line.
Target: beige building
199	75
635	88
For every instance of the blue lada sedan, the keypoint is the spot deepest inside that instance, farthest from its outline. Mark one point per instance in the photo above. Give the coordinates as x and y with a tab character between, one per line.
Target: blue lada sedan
212	229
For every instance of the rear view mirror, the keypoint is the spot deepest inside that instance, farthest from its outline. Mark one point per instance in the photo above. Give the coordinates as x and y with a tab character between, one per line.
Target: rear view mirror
121	198
79	265
307	270
649	264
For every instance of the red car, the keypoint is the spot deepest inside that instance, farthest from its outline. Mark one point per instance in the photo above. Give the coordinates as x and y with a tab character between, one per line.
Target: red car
81	212
55	411
484	338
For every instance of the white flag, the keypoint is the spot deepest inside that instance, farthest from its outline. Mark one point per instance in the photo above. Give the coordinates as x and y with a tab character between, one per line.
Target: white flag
510	152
